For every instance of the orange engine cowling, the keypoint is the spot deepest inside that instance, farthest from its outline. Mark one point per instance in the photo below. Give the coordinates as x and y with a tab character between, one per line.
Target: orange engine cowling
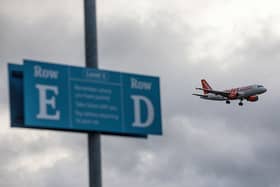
253	98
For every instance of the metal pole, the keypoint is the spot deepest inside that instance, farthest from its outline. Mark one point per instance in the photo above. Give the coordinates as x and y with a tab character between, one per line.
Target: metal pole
94	142
91	33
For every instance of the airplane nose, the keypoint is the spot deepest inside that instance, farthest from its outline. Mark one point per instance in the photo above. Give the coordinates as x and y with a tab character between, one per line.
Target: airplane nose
264	90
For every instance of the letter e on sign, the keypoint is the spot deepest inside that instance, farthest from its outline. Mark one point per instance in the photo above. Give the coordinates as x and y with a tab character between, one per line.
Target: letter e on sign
44	102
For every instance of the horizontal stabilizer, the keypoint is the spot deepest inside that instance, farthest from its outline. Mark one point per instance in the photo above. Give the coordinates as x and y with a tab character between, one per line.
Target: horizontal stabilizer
200	95
202	89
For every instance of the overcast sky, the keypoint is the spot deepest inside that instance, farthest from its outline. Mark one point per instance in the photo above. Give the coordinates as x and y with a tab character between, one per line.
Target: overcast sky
204	144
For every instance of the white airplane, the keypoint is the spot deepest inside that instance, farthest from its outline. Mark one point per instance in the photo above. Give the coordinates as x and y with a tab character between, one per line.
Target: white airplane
250	93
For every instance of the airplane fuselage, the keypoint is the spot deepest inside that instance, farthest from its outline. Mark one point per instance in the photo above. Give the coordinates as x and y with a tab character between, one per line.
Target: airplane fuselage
249	93
242	93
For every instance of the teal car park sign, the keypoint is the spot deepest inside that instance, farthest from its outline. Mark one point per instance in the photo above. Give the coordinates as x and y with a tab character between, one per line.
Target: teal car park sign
51	96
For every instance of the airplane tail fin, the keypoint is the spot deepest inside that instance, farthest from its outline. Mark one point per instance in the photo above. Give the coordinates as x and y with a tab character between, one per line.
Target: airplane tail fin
205	86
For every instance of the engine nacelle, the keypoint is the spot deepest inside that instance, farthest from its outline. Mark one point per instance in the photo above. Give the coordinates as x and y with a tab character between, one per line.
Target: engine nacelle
253	98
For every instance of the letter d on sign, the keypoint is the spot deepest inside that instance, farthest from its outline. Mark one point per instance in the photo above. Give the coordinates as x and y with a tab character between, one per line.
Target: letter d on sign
44	102
137	111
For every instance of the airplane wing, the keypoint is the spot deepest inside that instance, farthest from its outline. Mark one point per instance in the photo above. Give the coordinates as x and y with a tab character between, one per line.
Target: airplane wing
222	93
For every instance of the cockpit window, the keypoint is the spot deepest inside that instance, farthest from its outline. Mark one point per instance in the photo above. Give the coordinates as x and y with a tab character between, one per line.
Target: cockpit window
259	86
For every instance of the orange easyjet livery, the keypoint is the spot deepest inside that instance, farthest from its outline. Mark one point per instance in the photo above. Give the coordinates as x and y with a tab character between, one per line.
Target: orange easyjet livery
249	93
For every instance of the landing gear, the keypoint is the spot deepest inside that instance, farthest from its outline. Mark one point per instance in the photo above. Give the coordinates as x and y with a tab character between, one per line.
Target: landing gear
227	102
240	103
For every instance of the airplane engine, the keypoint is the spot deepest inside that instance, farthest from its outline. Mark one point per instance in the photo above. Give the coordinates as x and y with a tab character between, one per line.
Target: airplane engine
253	98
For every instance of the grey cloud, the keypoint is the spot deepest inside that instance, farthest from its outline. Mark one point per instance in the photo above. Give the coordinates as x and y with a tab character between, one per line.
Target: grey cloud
252	124
204	143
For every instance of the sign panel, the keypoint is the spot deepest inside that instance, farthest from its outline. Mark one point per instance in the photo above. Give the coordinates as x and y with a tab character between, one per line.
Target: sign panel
86	99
